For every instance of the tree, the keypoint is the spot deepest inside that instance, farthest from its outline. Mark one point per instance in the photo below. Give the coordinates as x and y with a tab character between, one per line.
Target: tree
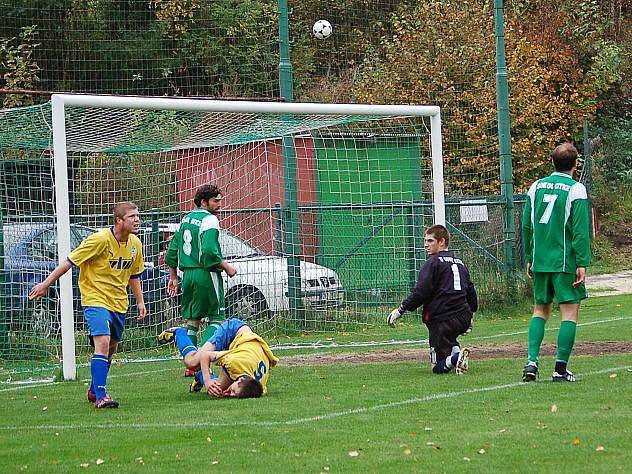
442	52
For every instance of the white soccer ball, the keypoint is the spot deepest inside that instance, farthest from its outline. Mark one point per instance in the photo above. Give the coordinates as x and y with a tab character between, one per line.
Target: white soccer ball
322	29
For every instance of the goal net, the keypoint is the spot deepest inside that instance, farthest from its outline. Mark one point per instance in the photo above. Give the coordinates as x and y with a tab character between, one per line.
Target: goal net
323	213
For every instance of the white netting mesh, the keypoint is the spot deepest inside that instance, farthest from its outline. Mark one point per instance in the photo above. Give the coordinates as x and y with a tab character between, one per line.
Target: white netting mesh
323	216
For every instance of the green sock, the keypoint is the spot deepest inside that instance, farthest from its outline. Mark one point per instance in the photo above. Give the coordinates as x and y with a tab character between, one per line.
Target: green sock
210	330
192	333
566	340
536	334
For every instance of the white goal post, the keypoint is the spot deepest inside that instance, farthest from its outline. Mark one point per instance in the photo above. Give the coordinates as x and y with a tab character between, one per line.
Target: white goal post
62	102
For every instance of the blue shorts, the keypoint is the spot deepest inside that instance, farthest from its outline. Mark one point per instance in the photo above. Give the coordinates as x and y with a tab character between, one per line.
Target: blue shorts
103	322
225	333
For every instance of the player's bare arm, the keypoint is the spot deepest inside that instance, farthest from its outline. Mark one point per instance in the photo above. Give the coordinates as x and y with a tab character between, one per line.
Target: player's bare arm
172	285
208	346
137	290
205	358
580	276
215	388
225	383
40	290
228	268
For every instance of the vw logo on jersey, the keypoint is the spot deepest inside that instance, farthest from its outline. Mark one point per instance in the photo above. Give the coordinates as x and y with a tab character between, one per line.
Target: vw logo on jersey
120	263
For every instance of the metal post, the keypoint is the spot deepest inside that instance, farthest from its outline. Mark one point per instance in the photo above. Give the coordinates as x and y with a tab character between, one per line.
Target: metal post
4	307
290	225
504	137
60	160
285	66
587	171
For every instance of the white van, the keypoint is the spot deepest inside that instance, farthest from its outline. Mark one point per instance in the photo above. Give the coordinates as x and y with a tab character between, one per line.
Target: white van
261	283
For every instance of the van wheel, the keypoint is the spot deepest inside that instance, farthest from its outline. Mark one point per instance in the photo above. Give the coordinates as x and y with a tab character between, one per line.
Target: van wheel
247	304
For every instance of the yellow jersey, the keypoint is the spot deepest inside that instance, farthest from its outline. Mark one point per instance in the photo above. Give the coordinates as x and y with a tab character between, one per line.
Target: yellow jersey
105	268
249	355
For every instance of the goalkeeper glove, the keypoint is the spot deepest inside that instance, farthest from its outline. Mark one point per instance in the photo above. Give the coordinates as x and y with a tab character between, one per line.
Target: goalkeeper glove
394	316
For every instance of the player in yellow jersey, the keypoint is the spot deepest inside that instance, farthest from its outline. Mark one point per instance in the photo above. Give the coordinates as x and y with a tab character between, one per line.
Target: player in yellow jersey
245	359
109	260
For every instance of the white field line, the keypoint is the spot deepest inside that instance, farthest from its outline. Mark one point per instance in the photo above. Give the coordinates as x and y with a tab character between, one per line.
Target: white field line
316	345
50	382
291	421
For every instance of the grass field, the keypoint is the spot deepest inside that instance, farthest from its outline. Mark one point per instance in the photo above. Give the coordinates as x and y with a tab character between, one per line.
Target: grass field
346	417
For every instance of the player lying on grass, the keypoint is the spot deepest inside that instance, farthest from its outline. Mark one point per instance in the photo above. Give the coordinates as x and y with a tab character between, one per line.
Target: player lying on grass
448	298
245	359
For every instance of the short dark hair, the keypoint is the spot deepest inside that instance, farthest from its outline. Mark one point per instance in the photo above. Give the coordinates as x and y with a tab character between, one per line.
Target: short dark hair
206	193
250	388
439	232
564	157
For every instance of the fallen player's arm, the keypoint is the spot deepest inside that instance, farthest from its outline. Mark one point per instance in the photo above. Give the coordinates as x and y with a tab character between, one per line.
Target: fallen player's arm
213	387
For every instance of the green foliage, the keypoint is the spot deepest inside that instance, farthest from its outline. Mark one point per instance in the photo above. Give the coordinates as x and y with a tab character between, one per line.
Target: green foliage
232	51
606	69
502	293
175	15
613	159
612	181
326	71
19	65
442	53
614	210
104	178
606	258
192	47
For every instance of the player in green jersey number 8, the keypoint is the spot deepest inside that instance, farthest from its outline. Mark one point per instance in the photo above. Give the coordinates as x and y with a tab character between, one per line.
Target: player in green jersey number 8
195	249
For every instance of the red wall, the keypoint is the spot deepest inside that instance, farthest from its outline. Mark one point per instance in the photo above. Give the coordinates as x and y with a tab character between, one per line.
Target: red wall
251	177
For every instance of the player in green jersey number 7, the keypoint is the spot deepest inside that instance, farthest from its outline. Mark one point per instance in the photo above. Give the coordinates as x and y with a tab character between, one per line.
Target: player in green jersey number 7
556	237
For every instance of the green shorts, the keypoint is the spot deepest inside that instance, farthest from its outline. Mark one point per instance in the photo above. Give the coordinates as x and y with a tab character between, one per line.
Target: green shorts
547	286
202	295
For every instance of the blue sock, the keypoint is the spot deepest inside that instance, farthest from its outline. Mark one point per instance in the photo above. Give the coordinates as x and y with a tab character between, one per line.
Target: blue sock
183	341
454	358
92	381
99	368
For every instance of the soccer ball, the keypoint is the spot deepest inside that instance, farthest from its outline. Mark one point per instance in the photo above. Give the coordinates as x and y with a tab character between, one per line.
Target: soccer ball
322	29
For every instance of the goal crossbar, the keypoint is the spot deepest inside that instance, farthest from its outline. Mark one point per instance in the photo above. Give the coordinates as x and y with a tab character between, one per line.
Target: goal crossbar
239	106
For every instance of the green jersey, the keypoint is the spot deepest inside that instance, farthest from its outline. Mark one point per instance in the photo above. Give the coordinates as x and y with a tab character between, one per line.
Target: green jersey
196	243
556	225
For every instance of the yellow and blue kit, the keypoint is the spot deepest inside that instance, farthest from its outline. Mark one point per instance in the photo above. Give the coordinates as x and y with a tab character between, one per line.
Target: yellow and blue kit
248	355
105	268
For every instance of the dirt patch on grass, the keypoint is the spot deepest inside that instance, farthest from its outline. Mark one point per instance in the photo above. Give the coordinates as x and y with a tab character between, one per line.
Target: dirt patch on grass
612	284
505	351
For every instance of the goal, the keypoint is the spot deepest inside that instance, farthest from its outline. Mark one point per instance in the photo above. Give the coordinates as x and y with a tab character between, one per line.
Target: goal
323	212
